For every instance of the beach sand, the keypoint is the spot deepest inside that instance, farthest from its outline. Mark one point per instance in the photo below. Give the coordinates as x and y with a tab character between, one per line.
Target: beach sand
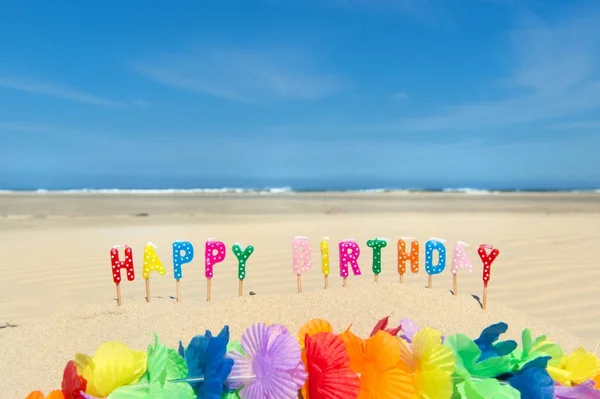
56	287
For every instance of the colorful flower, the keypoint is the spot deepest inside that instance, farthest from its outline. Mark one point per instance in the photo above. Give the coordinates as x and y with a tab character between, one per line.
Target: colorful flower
375	360
271	366
408	328
382	326
205	358
532	349
488	345
311	328
113	365
56	394
73	385
533	380
430	363
162	380
576	368
584	390
328	366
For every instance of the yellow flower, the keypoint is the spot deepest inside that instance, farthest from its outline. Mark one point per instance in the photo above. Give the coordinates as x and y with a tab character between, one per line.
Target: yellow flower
431	364
112	366
576	368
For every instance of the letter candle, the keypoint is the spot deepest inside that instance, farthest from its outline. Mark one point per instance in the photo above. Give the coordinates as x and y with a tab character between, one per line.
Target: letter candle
403	256
377	244
349	253
301	259
487	260
325	260
210	259
460	259
118	264
183	252
434	244
151	262
242	256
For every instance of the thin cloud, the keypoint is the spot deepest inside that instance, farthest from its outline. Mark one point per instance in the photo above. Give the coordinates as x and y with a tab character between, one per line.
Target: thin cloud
60	91
576	125
242	75
400	95
558	67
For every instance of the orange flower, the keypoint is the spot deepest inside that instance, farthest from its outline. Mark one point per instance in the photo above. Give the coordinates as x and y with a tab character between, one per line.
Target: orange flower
313	327
377	362
52	395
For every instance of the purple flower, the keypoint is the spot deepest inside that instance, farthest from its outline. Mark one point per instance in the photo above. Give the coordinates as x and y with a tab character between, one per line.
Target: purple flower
584	390
272	365
409	329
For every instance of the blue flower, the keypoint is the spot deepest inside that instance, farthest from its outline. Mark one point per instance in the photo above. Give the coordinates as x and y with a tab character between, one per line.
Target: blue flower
206	361
486	340
533	380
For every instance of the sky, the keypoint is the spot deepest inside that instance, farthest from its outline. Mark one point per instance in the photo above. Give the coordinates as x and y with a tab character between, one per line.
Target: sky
403	93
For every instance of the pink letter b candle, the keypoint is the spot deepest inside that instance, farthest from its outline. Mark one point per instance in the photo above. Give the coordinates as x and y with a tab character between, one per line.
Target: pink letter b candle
349	253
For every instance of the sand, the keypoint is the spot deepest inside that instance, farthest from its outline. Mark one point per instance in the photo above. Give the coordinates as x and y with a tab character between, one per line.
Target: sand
57	292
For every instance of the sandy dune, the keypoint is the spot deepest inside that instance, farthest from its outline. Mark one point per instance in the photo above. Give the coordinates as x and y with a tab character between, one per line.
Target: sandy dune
54	257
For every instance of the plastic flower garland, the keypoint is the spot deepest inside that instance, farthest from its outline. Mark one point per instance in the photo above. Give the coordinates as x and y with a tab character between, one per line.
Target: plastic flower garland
402	362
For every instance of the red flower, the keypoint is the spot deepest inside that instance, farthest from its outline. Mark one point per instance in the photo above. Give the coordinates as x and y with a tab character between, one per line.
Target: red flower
382	324
73	384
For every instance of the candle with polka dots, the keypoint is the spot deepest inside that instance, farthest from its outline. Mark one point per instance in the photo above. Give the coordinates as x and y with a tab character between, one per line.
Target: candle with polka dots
151	263
242	256
118	264
349	253
183	252
214	253
325	260
460	260
377	244
434	244
487	259
403	256
301	258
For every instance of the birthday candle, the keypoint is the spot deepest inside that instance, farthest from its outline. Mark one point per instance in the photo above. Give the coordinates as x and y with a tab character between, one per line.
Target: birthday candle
487	260
403	256
183	252
377	244
151	262
460	259
242	256
349	253
301	259
212	257
325	256
435	244
118	264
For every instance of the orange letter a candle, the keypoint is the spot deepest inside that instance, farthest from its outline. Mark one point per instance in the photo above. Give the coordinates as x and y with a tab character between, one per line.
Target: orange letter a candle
118	264
349	253
214	253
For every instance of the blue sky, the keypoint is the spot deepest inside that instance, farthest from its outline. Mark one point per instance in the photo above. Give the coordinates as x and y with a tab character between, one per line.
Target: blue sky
210	93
